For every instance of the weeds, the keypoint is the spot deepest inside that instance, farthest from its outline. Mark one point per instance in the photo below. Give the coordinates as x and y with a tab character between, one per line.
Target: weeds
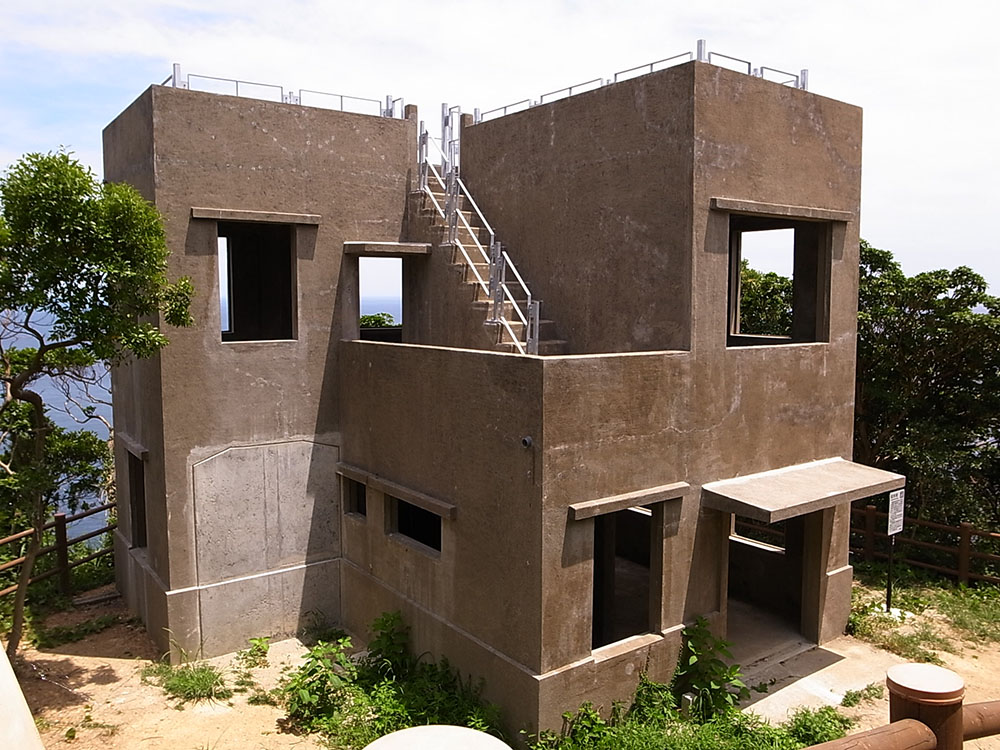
974	611
715	686
871	692
355	701
43	637
191	681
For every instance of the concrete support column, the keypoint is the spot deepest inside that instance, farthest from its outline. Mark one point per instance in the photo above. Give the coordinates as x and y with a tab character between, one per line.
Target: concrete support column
826	576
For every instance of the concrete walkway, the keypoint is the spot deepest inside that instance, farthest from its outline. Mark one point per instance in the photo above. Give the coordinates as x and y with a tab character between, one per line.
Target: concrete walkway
816	677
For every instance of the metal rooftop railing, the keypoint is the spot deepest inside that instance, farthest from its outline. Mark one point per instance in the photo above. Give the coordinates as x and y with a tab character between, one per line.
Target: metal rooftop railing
387	107
799	81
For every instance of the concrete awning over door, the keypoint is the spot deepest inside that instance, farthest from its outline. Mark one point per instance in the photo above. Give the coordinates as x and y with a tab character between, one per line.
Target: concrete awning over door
796	490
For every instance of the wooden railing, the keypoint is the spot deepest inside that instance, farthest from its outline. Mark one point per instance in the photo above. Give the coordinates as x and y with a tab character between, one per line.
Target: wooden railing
868	534
61	547
872	529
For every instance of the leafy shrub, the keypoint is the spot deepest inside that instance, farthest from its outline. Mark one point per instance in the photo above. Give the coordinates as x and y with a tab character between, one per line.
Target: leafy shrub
386	690
809	726
716	686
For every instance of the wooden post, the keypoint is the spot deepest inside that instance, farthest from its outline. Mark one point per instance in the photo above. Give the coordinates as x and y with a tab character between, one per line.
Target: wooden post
932	695
62	555
964	550
869	533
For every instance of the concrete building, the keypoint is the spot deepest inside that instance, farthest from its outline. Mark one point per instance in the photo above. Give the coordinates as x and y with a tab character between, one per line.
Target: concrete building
548	521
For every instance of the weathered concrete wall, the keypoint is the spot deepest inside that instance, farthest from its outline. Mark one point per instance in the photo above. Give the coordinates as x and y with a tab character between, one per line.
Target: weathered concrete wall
592	196
206	150
758	141
137	407
449	424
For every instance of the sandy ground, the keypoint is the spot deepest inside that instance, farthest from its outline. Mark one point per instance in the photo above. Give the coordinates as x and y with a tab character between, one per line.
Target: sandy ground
90	694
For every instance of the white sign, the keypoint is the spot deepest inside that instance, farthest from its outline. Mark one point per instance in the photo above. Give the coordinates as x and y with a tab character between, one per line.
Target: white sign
896	504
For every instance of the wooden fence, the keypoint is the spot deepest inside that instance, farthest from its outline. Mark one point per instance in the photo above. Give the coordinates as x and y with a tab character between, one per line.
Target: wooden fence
870	540
61	547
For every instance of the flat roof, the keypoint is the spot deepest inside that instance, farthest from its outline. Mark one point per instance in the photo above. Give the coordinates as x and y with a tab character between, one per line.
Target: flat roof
799	489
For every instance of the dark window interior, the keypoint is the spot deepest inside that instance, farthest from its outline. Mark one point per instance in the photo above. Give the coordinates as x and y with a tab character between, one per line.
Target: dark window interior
416	523
354	497
622	544
256	281
791	303
137	499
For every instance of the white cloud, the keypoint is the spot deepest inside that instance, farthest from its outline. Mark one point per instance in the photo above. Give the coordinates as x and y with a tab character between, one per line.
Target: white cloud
924	73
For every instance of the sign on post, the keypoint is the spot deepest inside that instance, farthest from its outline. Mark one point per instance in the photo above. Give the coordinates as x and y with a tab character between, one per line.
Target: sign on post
896	505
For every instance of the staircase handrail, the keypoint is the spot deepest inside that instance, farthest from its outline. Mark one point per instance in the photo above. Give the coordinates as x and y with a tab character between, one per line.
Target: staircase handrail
498	290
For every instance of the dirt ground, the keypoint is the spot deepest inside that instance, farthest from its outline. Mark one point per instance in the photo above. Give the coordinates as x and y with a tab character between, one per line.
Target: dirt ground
90	695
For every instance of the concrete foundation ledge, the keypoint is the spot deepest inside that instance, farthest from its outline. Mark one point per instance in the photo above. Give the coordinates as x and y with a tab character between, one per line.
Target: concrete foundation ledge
220	617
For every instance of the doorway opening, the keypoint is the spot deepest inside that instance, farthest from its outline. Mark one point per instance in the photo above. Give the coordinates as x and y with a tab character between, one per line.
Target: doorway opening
765	589
622	561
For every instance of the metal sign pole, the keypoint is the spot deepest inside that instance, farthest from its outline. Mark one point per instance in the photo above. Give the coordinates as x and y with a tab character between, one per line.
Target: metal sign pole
897	501
888	577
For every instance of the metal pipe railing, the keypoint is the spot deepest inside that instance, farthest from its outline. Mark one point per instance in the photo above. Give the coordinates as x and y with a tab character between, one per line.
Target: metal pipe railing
498	291
702	54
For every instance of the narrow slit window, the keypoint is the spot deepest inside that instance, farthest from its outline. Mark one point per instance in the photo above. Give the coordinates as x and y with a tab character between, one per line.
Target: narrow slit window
137	500
415	523
355	500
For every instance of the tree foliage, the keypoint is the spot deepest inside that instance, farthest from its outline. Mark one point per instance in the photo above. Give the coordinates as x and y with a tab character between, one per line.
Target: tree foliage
927	398
377	320
82	282
765	302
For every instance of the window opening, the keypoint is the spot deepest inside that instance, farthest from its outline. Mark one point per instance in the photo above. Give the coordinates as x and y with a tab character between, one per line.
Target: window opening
355	500
256	281
380	286
779	280
622	544
415	523
137	500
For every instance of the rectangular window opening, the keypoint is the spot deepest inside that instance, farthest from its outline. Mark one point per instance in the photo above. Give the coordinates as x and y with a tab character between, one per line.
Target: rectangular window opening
256	281
779	280
137	500
380	282
622	561
355	499
415	523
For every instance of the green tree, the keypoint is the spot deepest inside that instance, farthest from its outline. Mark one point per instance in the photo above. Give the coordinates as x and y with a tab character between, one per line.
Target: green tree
927	400
82	280
765	302
377	320
927	391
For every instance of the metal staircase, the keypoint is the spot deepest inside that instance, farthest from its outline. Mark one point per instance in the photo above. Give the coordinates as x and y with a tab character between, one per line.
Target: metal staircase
498	286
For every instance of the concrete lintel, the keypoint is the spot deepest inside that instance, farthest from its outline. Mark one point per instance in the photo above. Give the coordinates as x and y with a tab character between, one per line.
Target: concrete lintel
414	497
796	490
614	503
388	249
132	445
777	209
265	217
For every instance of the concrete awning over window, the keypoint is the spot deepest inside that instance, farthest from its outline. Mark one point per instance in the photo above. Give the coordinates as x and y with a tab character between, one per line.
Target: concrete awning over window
795	490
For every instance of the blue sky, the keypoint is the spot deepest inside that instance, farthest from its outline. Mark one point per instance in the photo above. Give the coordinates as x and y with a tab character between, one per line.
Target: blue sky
925	73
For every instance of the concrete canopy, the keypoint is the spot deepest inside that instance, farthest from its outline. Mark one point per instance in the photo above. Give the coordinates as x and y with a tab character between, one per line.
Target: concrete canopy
796	490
